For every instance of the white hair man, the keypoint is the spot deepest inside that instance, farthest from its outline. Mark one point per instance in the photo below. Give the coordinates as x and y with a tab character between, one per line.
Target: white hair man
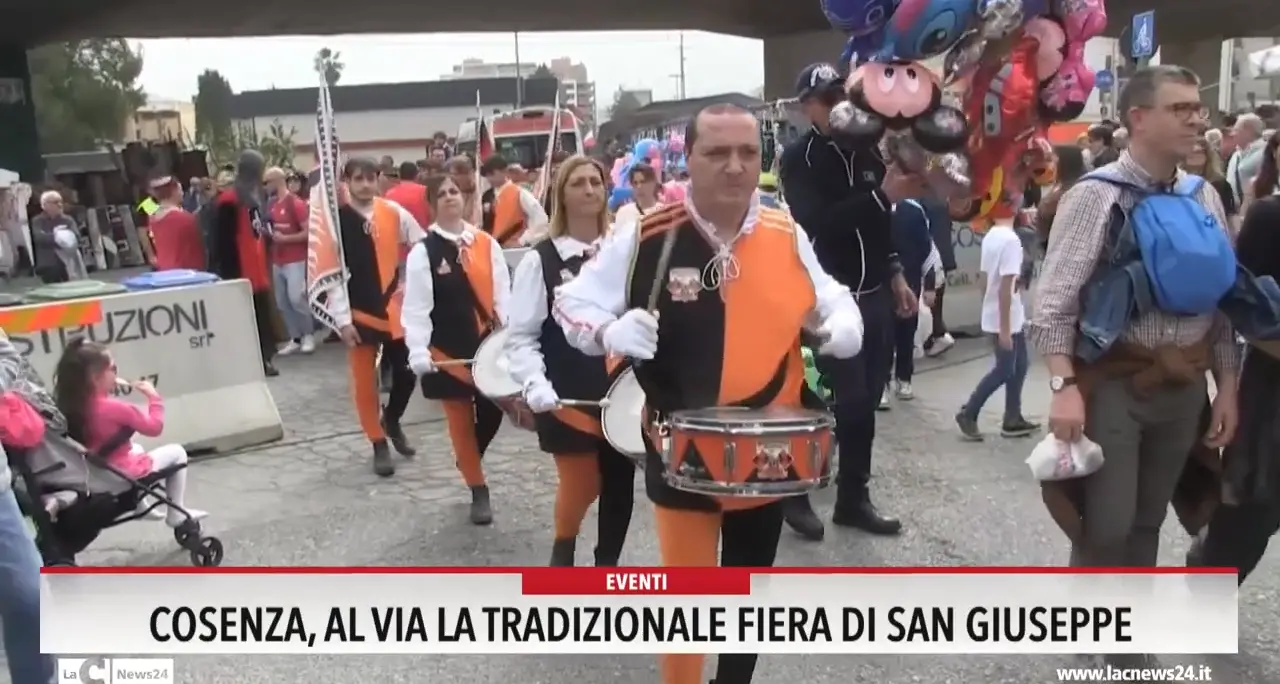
55	239
1244	163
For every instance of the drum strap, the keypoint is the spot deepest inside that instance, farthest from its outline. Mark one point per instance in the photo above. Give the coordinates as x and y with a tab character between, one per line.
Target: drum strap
486	320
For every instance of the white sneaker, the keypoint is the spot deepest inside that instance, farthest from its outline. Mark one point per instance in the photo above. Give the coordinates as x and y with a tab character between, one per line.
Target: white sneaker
308	344
905	392
884	401
289	348
941	345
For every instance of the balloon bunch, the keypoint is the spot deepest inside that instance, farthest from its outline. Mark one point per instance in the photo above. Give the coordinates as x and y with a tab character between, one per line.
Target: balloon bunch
1015	66
650	152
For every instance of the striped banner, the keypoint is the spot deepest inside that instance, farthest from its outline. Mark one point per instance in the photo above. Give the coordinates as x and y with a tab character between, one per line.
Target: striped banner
20	320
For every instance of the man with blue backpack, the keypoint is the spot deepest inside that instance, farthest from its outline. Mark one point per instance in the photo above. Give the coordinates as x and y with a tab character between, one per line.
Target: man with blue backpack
1138	258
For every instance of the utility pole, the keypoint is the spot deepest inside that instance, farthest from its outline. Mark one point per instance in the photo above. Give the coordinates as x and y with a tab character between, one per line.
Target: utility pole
519	74
682	81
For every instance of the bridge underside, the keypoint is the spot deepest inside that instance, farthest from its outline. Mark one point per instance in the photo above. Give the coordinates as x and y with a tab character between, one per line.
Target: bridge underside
40	21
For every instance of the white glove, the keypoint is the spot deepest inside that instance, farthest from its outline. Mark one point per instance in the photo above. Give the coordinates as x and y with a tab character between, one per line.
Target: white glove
634	336
421	364
541	396
843	332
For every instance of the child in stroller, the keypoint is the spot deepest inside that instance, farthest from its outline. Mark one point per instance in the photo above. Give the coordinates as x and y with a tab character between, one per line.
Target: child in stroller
70	492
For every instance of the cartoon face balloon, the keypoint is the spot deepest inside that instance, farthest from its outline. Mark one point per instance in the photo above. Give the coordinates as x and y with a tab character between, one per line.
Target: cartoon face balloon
899	96
920	29
858	17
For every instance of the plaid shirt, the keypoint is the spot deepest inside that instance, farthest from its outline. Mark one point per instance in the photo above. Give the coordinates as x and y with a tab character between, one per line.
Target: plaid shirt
1075	251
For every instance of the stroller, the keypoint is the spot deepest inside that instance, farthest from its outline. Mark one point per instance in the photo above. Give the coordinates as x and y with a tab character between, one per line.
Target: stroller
104	497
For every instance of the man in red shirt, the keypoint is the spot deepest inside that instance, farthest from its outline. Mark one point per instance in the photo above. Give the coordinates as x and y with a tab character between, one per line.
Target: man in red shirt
411	195
288	214
175	233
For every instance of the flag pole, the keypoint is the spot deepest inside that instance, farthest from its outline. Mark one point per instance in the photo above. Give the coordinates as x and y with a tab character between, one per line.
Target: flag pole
477	212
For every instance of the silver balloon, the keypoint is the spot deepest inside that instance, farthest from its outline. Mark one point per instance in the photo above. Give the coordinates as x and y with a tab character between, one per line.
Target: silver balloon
962	59
999	18
955	167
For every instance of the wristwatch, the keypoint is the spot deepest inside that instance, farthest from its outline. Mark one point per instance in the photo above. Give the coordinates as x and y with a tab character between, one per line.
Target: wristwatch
1057	383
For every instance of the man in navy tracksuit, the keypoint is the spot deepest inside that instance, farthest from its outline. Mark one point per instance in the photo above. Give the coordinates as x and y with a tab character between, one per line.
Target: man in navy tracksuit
843	198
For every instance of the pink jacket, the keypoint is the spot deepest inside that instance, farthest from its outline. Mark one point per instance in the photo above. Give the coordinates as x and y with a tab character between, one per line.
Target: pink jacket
21	426
108	415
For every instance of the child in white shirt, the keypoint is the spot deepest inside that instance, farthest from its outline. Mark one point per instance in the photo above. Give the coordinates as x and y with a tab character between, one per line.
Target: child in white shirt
1003	318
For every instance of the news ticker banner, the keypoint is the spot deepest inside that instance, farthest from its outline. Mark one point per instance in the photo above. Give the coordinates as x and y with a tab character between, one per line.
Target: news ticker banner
173	611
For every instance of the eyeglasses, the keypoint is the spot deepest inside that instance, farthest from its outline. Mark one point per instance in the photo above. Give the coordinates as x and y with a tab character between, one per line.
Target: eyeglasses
1186	111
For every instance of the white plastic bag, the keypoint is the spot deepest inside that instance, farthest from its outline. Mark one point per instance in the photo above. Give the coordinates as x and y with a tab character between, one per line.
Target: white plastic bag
1053	459
924	328
65	238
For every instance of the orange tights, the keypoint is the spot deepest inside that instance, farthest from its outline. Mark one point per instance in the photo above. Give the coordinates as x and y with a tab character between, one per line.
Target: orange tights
578	488
472	423
688	538
362	364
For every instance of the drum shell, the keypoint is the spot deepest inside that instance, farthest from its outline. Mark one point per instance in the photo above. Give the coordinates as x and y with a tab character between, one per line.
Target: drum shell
738	458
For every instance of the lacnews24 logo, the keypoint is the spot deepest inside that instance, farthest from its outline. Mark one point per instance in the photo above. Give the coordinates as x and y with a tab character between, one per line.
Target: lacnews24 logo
100	670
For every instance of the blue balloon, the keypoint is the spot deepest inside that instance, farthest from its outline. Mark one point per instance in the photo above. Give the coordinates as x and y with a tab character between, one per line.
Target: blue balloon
926	28
646	148
619	196
859	17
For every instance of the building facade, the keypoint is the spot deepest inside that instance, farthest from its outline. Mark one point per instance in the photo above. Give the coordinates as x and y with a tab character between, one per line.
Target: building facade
160	121
384	119
577	90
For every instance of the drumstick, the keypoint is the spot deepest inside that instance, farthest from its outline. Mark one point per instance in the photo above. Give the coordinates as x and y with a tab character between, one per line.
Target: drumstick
453	362
655	290
603	403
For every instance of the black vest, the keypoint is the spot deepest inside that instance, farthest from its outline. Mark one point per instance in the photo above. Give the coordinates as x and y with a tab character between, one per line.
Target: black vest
454	331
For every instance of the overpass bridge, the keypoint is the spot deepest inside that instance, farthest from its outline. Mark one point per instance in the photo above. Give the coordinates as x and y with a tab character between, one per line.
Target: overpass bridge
794	34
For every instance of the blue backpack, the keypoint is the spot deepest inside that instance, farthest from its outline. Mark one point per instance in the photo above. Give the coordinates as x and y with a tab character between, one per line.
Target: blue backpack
1188	259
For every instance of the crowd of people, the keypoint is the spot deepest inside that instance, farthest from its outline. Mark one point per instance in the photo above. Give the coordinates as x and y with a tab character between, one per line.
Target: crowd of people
705	300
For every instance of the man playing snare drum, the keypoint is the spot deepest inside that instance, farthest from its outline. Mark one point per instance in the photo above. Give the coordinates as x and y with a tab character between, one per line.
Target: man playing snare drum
732	298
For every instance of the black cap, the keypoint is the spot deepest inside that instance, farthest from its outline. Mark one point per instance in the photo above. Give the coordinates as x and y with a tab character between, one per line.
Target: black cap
818	78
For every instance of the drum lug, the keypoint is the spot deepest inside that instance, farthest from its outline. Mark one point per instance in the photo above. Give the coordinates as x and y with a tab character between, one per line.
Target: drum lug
815	456
730	457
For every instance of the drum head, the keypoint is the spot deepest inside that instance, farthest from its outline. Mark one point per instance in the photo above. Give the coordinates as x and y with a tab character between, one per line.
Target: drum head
491	369
622	419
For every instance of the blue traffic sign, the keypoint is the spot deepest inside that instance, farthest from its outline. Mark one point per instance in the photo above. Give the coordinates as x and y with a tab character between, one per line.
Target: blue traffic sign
1143	35
1104	80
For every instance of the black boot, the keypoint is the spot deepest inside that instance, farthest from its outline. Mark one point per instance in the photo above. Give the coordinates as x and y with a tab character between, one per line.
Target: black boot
864	516
398	439
798	512
562	553
606	558
269	369
383	466
481	513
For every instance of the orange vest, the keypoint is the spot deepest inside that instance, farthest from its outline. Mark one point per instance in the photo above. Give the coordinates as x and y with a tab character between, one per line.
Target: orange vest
384	233
508	215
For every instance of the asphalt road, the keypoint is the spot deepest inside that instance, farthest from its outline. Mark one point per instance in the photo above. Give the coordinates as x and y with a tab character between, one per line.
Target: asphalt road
312	500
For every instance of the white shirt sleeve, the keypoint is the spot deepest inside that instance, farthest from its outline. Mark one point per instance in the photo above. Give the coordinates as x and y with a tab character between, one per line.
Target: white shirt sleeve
832	297
1010	263
528	306
336	304
501	280
598	295
534	215
410	232
419	300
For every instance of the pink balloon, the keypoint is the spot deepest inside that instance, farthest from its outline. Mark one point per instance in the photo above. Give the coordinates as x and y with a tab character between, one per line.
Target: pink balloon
675	144
673	191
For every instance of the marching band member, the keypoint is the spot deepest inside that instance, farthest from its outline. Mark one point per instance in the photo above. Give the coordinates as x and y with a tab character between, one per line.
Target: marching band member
456	290
366	310
512	215
740	282
542	361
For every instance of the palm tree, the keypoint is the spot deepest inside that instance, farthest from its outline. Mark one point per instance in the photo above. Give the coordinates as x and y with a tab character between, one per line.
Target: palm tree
330	62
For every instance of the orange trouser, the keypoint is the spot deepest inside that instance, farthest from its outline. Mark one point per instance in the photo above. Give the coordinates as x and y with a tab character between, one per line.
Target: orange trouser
362	364
688	538
472	423
582	478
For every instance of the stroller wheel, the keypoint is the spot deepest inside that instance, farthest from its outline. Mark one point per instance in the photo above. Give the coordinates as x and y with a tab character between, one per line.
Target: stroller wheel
185	533
208	554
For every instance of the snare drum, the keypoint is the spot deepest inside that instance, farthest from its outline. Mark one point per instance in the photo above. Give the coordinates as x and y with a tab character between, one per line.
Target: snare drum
492	374
741	452
622	418
491	369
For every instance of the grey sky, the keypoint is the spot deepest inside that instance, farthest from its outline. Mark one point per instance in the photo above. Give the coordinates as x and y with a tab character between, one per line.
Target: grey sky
631	59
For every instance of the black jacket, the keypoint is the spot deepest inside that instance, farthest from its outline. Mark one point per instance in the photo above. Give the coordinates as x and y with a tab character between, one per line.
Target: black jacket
835	195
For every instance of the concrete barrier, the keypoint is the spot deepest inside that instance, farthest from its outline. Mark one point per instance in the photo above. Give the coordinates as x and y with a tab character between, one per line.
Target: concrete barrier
198	345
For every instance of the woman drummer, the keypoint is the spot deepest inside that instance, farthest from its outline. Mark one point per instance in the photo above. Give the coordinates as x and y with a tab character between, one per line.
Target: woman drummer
455	293
550	370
